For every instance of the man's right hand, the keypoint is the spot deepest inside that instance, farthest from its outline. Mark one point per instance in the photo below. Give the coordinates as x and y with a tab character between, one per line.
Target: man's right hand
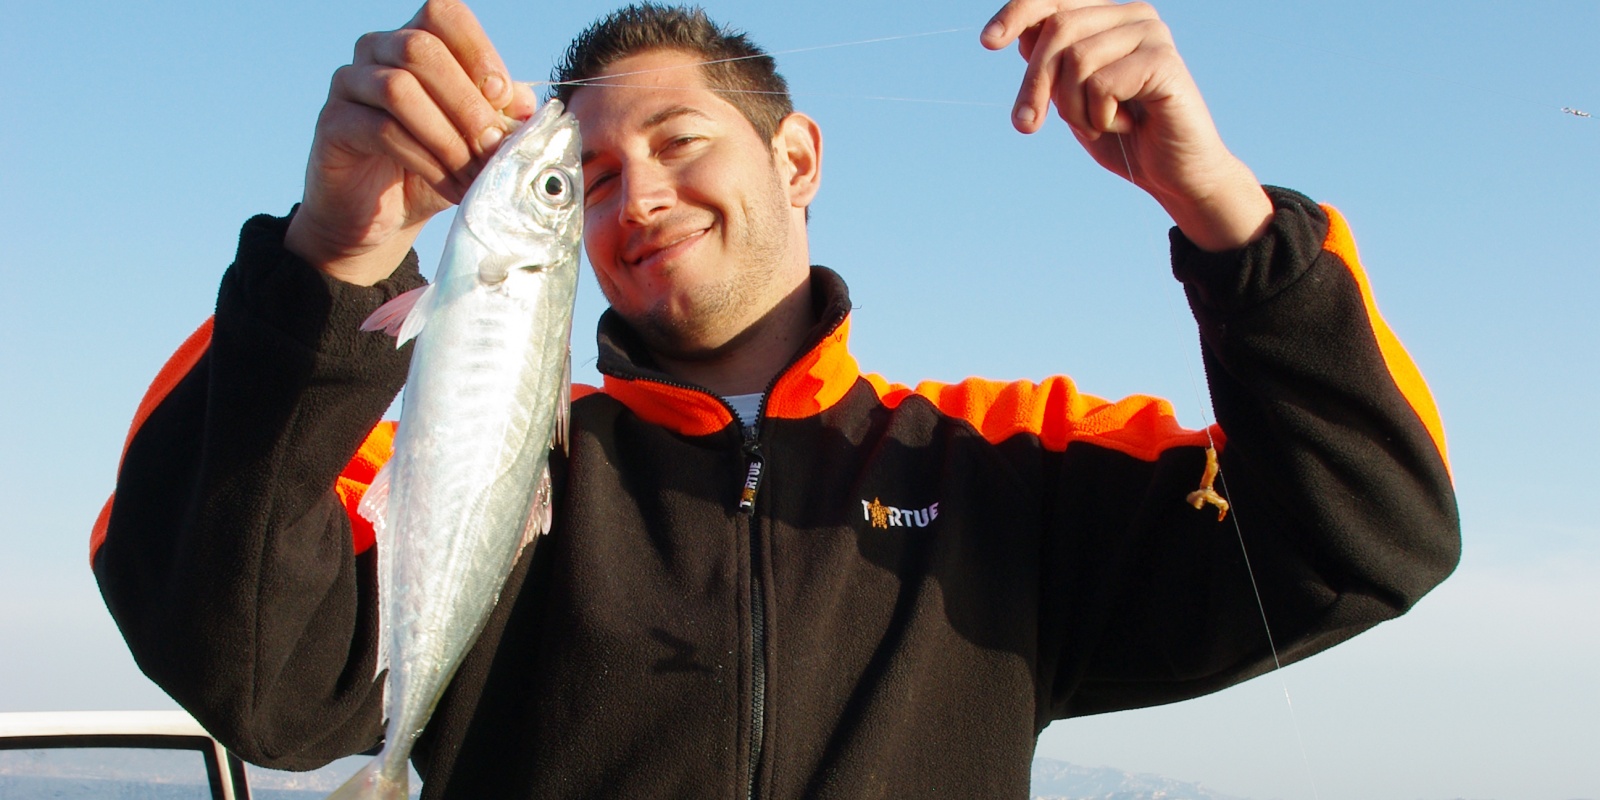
406	128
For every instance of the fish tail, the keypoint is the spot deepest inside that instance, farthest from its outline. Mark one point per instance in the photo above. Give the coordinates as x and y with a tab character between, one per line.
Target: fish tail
372	784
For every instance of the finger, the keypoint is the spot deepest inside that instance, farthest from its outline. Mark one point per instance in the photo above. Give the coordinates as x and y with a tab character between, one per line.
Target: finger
399	96
1084	88
458	28
1135	79
371	132
1110	68
1033	97
1019	15
1068	48
524	102
446	85
1042	45
1026	42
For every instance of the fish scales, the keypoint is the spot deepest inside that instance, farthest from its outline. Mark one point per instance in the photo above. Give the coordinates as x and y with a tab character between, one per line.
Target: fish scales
468	485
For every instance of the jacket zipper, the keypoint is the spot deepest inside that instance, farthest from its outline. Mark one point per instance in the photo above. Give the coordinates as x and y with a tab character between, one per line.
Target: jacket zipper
755	467
755	470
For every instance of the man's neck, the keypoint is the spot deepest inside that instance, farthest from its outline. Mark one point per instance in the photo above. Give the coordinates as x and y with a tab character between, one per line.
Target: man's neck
751	360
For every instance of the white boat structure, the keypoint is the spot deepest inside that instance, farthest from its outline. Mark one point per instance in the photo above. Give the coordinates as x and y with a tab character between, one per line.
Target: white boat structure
55	733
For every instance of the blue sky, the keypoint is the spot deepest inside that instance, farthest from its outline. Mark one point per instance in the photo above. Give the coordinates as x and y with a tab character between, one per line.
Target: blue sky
135	138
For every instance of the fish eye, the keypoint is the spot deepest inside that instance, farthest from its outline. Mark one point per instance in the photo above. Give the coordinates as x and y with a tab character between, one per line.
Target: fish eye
554	187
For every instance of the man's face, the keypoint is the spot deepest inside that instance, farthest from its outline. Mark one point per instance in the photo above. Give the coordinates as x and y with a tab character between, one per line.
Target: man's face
687	221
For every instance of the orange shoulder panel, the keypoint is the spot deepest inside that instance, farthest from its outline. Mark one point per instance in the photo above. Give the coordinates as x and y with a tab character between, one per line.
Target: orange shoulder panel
1342	244
177	366
167	379
352	483
1139	426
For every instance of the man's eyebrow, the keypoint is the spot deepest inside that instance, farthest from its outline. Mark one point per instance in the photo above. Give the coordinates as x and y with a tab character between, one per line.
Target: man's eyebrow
670	113
654	120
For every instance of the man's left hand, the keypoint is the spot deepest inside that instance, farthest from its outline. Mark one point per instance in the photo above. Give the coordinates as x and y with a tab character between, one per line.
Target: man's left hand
1113	69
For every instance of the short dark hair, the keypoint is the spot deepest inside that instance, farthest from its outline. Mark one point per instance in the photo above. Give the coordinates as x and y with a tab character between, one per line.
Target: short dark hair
743	74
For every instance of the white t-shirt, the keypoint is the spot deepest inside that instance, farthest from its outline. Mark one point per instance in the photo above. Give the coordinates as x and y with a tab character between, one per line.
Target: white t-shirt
747	406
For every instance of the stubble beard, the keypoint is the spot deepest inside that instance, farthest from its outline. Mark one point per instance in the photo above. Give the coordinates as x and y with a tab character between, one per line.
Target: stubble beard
712	318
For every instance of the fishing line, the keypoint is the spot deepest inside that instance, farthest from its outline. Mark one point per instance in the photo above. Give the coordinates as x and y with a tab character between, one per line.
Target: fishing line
600	80
1366	58
888	98
1203	403
813	48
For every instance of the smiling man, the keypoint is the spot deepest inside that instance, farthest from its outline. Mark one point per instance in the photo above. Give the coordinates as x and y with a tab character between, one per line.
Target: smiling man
695	220
771	575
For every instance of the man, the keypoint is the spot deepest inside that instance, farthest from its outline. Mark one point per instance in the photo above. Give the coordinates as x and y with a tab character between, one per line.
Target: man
922	579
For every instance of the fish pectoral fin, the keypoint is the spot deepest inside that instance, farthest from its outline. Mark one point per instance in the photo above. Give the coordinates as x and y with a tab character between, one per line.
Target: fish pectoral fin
402	317
541	512
494	268
374	505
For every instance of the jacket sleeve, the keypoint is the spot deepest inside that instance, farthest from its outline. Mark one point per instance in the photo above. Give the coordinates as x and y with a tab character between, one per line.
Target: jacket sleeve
1331	454
225	555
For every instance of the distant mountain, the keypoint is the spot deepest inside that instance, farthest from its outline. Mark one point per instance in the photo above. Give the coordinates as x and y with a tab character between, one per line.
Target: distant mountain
1059	780
50	788
134	774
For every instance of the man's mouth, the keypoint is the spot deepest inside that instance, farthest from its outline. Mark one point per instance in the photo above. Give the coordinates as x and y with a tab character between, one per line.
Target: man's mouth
662	249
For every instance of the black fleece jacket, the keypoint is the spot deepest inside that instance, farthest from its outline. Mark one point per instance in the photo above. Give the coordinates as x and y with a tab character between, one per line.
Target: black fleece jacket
923	579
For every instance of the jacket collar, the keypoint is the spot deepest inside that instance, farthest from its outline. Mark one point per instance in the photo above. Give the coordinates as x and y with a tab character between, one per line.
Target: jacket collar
815	379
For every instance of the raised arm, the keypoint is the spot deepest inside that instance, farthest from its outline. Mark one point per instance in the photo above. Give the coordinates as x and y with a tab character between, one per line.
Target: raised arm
226	555
1330	448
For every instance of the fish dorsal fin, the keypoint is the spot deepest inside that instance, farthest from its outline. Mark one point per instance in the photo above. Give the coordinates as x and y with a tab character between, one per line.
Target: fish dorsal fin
404	316
374	508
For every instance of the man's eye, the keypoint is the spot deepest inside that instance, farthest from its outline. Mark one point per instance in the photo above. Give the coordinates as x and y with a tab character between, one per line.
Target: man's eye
598	181
678	142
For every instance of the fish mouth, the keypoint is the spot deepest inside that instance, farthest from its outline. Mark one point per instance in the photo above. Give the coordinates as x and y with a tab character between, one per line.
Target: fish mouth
662	248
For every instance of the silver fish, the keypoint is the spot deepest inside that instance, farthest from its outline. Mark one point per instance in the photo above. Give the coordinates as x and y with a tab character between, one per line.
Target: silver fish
468	486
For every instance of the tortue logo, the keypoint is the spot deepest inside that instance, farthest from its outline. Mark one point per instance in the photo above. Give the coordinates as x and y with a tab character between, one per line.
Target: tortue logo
882	516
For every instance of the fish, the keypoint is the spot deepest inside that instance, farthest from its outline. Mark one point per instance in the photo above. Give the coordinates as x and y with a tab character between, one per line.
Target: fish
486	399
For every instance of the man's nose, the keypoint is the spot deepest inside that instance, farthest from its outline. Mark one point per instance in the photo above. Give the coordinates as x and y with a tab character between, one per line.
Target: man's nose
647	192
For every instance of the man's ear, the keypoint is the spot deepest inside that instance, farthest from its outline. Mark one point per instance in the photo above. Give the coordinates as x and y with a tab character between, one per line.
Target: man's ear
797	149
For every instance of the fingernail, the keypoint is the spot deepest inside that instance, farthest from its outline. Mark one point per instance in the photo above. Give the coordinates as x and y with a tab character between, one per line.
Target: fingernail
994	31
493	87
489	138
1023	115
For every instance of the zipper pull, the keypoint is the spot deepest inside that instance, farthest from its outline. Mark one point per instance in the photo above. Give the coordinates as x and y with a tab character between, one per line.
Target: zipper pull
755	464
